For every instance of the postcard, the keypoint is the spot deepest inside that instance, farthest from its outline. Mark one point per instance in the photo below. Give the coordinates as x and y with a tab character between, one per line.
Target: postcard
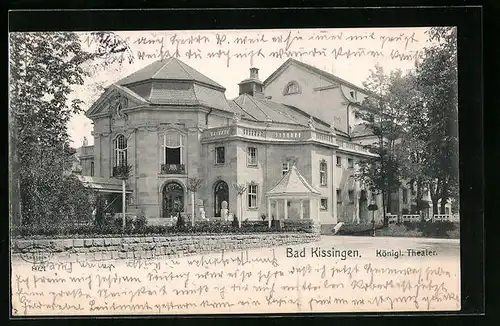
234	171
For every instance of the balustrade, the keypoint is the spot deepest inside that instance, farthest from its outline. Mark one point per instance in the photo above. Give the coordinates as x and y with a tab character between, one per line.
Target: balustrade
269	134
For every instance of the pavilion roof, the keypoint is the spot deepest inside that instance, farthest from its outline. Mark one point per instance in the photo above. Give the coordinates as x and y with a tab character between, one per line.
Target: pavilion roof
293	184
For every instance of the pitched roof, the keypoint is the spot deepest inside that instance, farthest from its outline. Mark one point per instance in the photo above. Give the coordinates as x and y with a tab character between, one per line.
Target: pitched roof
261	109
293	184
315	70
169	69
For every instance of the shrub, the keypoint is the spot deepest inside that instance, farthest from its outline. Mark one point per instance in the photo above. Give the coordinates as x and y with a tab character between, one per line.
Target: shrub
180	222
235	223
437	229
141	222
410	226
359	229
297	225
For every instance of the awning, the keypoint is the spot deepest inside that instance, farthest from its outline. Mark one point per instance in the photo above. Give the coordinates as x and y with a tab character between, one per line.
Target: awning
103	184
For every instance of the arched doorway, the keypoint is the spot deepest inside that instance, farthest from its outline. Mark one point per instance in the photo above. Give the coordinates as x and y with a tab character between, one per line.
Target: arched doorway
172	191
221	193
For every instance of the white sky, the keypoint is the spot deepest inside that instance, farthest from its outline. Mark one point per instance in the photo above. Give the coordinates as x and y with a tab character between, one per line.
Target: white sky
384	43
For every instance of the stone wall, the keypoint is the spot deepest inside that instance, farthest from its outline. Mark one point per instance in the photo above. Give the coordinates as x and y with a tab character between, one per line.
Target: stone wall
96	249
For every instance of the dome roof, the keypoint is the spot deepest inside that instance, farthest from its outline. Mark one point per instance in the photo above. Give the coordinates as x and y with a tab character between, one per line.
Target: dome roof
169	69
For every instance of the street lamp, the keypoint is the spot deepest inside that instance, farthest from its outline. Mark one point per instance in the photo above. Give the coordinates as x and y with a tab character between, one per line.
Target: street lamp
373	207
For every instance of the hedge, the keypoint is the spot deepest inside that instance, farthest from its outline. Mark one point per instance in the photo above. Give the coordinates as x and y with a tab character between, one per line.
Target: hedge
138	226
443	229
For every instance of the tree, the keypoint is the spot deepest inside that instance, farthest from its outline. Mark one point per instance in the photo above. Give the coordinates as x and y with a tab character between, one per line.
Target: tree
240	190
44	67
381	174
437	81
413	143
193	185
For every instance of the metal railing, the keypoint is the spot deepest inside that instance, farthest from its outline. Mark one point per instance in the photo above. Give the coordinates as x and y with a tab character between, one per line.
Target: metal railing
173	169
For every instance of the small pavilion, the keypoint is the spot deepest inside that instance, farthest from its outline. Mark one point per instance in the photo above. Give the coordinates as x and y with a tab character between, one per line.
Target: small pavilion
293	186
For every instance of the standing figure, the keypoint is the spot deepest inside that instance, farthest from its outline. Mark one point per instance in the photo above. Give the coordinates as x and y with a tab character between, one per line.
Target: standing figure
224	211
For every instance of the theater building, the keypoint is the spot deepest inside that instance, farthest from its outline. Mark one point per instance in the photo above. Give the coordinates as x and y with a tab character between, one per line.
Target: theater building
171	123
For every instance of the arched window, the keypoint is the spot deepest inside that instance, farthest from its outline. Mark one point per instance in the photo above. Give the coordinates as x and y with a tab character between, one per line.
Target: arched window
291	88
173	148
120	148
221	194
322	173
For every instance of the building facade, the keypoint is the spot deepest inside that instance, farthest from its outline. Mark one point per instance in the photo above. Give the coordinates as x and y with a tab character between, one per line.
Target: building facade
171	124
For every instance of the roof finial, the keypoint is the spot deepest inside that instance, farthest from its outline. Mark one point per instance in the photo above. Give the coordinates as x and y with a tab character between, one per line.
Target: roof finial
85	142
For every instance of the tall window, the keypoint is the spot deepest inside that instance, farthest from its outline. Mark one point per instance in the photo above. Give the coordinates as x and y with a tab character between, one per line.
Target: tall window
120	146
252	196
350	163
292	88
252	156
322	173
339	196
91	169
339	160
286	167
173	148
220	155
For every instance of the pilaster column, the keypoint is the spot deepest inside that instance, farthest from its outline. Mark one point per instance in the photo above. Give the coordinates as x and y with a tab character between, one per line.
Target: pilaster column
97	154
301	209
269	212
285	208
356	201
312	210
318	204
333	204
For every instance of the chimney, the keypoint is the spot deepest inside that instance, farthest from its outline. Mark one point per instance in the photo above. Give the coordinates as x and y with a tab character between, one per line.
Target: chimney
254	73
252	86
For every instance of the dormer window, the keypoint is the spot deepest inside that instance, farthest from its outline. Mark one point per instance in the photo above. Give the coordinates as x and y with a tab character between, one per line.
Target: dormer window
286	167
353	94
291	88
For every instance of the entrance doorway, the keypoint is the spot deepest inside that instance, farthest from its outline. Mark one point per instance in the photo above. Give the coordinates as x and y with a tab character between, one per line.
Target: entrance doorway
221	193
172	192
